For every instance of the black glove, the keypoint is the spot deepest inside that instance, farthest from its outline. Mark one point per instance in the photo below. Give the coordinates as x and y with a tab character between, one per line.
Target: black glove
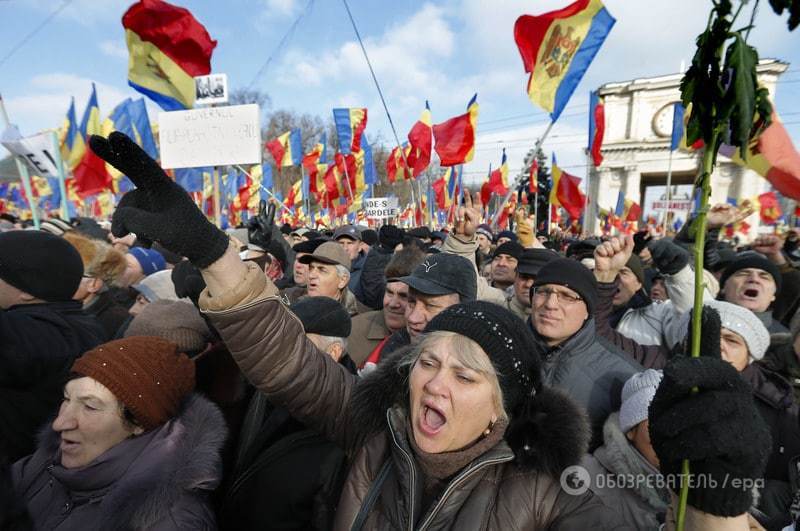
259	228
158	209
718	428
668	256
188	281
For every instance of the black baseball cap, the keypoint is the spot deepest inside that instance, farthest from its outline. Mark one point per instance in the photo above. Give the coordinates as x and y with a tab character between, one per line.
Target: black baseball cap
347	231
442	274
532	260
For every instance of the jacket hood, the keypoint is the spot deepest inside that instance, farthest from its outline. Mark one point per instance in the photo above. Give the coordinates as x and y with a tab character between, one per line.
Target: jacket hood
550	436
180	457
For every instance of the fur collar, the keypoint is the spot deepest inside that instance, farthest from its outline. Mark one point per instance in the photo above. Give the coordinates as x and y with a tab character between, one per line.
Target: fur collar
621	458
181	457
552	434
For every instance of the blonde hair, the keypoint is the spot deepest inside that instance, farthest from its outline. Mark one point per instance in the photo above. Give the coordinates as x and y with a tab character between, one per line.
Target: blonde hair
468	353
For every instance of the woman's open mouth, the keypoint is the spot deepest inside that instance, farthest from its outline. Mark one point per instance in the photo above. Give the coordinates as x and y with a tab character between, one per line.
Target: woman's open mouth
431	421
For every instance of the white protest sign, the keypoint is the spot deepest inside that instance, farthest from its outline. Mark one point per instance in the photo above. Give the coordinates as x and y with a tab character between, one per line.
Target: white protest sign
214	136
676	205
211	89
37	150
381	207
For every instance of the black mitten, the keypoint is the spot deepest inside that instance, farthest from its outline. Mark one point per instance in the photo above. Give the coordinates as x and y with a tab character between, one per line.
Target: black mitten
158	209
717	428
668	256
188	281
259	228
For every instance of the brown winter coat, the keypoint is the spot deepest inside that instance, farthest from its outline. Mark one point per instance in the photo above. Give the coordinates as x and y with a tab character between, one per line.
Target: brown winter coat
368	330
492	492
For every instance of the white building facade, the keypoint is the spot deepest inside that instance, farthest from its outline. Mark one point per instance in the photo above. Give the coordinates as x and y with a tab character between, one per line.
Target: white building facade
636	149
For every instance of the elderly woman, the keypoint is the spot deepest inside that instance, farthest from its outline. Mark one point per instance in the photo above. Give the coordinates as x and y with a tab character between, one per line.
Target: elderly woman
457	432
131	448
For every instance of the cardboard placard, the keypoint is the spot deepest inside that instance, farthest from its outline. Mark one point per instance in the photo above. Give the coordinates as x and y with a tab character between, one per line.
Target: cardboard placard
214	136
381	207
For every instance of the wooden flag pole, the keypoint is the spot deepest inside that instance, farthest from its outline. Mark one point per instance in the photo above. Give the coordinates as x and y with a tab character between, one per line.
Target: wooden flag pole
22	168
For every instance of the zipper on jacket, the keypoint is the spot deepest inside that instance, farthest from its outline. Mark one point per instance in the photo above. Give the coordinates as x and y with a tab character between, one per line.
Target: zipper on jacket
457	481
410	466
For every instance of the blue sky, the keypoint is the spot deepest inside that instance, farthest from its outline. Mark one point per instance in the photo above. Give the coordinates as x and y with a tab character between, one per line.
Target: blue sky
443	51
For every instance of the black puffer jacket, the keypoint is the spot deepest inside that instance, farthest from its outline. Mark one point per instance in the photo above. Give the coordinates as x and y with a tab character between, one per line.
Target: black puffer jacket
38	343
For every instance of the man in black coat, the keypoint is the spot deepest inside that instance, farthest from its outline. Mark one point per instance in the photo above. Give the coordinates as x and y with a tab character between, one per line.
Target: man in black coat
287	476
42	331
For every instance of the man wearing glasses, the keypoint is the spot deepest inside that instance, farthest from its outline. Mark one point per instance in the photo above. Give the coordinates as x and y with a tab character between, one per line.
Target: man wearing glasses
574	357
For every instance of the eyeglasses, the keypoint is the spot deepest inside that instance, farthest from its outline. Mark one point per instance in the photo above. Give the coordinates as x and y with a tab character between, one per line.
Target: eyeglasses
563	298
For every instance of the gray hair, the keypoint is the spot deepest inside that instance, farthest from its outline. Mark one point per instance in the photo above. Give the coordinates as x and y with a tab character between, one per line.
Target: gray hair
327	341
342	271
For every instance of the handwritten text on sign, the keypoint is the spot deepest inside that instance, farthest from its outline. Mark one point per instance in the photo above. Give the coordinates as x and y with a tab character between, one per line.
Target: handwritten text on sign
381	207
210	137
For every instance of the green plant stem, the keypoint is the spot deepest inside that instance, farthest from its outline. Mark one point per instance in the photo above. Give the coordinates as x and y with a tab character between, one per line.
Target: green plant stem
704	183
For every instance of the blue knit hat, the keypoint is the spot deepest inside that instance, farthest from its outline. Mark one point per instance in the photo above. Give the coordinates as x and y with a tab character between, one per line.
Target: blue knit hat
150	260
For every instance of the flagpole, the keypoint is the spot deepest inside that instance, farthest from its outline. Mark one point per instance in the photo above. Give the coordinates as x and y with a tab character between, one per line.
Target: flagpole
669	191
536	148
586	197
289	210
61	185
215	185
22	168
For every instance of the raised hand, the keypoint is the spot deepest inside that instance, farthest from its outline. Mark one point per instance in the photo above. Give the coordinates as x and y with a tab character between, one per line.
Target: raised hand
668	256
158	209
468	217
771	246
611	256
259	228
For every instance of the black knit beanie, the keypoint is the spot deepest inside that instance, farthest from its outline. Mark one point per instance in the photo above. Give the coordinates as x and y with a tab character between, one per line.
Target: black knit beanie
505	339
752	260
323	316
573	275
41	264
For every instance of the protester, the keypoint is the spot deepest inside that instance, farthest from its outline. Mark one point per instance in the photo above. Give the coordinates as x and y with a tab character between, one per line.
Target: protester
141	263
753	282
275	445
370	288
623	472
370	329
589	369
42	330
329	274
528	266
298	288
131	446
505	236
504	264
102	266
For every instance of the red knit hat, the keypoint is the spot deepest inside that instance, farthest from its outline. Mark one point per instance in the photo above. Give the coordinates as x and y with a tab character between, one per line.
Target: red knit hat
147	374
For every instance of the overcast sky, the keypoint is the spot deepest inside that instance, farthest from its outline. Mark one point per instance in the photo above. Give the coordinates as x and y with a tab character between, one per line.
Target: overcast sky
439	51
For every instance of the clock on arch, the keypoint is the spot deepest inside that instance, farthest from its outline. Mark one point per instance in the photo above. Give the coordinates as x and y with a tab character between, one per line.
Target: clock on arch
662	120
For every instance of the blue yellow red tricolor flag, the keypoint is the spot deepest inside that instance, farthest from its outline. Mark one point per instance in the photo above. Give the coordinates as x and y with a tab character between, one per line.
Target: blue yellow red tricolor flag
168	47
91	175
421	142
286	149
350	125
72	142
142	127
565	191
455	138
498	179
396	169
557	48
597	127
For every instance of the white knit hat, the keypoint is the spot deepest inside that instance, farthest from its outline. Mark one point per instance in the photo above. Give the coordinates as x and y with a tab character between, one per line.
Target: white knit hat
742	321
637	393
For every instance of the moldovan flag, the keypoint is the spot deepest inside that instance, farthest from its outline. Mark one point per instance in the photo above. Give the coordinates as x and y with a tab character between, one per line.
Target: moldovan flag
769	208
455	138
498	179
396	169
533	177
72	142
91	176
565	191
421	143
597	127
168	47
286	149
350	125
773	156
557	48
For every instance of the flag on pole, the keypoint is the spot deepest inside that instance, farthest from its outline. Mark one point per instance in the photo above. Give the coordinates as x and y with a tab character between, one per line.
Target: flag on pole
557	48
769	208
533	177
773	156
286	149
396	169
142	127
420	142
455	138
566	192
677	126
597	127
72	142
91	175
168	47
498	179
350	125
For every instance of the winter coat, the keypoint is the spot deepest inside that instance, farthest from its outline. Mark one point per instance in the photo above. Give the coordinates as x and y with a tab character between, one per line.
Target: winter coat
782	358
787	303
38	343
466	248
639	502
590	370
286	475
772	325
368	330
362	416
160	480
517	308
355	271
108	312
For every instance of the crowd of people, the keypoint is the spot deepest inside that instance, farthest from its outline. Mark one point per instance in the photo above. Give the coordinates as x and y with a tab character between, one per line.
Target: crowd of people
157	372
